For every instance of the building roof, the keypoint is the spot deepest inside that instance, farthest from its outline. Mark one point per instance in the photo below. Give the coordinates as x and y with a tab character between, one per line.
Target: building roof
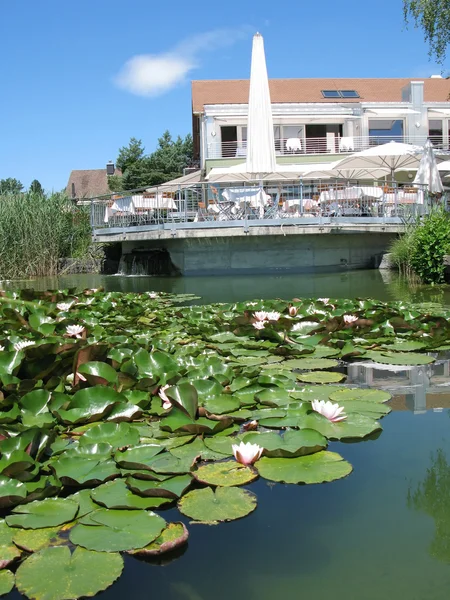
235	91
89	183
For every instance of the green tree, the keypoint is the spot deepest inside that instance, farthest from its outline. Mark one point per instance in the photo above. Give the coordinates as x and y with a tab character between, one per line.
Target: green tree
165	163
36	187
433	17
10	186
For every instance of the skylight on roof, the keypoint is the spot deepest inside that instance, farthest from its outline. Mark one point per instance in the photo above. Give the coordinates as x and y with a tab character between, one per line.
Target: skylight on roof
340	94
349	94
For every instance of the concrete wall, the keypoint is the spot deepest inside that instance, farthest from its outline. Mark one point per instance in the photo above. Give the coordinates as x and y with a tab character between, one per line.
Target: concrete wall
275	253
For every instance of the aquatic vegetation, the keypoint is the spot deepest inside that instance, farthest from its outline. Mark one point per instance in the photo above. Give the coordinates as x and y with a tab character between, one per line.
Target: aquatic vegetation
117	406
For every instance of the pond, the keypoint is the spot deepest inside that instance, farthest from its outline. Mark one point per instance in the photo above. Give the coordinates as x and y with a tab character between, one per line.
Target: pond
383	531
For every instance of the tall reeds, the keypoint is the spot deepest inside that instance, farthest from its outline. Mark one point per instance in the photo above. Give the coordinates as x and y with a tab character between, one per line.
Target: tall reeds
36	230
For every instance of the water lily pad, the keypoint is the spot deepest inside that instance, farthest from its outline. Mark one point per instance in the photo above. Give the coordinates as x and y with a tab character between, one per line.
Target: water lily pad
220	445
309	364
6	582
33	540
314	468
115	494
225	474
290	444
57	574
8	551
354	426
173	536
117	530
196	449
223	504
321	377
90	404
11	492
140	457
43	513
84	470
220	405
399	358
405	345
365	394
170	488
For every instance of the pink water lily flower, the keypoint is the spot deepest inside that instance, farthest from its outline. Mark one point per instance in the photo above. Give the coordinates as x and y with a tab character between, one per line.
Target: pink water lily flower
63	306
162	394
350	319
293	311
332	411
273	316
247	453
261	315
74	331
258	325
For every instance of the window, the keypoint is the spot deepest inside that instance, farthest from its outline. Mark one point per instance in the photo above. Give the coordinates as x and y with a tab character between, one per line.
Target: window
435	131
340	94
382	131
349	94
330	94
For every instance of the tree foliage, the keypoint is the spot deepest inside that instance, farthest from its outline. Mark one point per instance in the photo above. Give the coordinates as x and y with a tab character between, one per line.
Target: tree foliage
141	170
433	17
10	186
36	187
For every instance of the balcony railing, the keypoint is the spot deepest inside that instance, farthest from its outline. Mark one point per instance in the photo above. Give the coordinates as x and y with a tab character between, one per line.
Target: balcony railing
210	205
322	145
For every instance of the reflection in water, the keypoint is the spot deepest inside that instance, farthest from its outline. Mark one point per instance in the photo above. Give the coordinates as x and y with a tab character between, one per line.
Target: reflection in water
414	388
432	496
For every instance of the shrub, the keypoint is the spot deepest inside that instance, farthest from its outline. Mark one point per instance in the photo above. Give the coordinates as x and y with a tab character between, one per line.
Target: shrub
36	230
431	243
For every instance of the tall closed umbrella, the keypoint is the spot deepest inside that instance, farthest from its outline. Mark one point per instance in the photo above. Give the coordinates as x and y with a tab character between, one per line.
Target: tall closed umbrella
428	172
393	156
260	139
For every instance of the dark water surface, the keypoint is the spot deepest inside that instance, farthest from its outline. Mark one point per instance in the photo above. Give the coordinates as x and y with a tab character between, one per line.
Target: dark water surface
370	536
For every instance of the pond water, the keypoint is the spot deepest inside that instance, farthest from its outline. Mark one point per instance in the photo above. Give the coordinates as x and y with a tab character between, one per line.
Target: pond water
382	532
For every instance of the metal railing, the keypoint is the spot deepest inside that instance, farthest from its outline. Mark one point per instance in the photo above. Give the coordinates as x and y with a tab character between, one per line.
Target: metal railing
211	205
332	144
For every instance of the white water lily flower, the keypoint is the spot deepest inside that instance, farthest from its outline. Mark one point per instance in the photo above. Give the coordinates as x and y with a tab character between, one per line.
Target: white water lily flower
273	316
252	303
162	394
63	306
324	300
332	411
74	330
258	325
350	319
247	453
261	315
152	294
2	348
21	345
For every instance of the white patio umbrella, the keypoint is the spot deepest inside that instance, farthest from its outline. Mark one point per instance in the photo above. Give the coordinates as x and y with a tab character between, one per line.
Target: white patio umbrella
177	184
428	173
393	156
332	172
260	139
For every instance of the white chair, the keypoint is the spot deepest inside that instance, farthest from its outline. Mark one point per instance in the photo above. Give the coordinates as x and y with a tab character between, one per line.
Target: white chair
293	145
346	144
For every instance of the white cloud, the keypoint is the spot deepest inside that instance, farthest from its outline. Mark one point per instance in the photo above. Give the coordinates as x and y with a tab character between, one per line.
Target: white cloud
156	74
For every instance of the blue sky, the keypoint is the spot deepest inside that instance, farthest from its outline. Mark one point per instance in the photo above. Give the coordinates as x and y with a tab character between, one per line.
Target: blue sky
80	78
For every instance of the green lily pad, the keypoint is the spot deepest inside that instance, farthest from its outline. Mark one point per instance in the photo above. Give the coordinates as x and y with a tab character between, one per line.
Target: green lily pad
309	364
321	377
117	530
11	492
405	345
116	435
6	582
84	470
354	426
399	358
365	394
314	468
43	513
115	494
57	574
8	551
140	457
195	449
290	444
220	405
170	488
225	474
33	540
223	504
173	536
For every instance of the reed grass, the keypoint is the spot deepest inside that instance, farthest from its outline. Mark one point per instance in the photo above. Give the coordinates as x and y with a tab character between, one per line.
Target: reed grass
36	230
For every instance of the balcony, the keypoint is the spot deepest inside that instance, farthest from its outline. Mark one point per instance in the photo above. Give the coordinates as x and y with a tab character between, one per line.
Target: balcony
297	147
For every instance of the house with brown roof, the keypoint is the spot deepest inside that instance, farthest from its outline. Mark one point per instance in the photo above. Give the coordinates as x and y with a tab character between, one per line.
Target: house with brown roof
319	119
90	183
